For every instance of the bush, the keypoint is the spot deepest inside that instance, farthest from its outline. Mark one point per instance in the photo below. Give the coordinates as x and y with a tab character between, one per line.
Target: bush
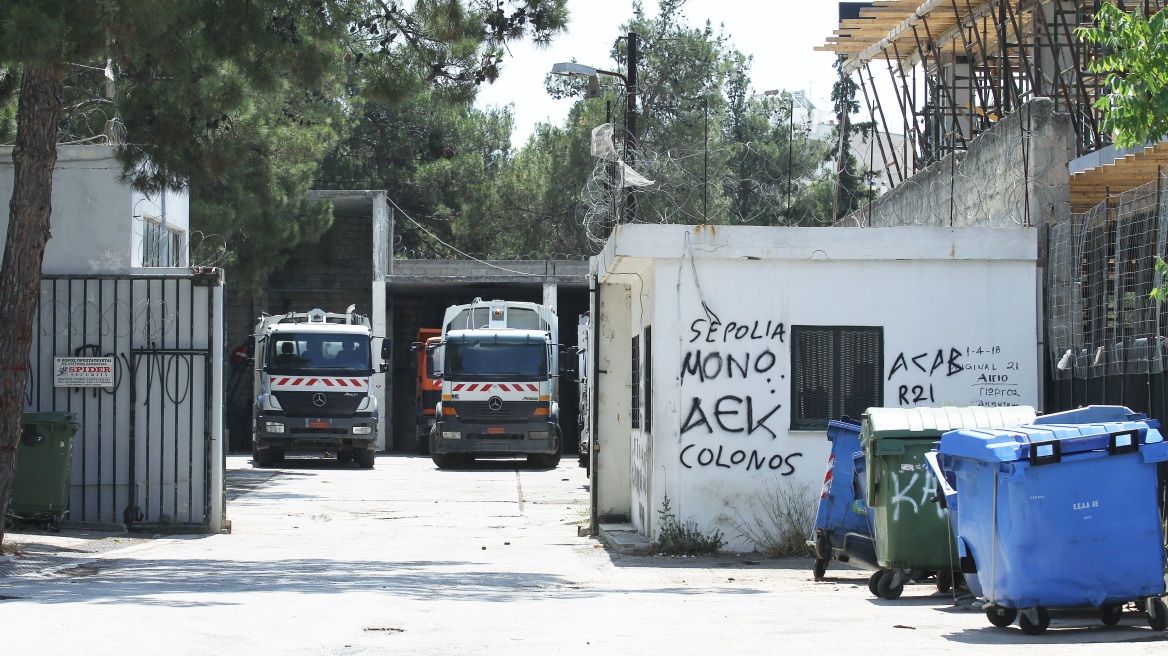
683	538
777	519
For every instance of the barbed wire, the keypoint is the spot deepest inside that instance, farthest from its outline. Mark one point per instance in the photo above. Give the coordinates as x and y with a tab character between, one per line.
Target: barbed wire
148	319
747	183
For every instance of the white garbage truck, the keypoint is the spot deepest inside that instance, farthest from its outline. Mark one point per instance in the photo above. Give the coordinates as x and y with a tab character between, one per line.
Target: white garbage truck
313	386
499	362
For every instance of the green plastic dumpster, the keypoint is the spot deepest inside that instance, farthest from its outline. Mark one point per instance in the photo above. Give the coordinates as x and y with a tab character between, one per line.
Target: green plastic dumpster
40	489
912	531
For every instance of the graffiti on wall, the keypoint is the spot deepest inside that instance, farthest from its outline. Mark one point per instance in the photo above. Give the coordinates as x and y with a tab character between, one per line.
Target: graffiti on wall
955	375
731	383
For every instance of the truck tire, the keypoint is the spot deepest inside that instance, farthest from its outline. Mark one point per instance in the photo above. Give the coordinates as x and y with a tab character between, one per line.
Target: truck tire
547	460
262	457
365	458
441	460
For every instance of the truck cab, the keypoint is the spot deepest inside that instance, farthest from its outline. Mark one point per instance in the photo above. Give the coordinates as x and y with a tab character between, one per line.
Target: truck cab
313	387
499	366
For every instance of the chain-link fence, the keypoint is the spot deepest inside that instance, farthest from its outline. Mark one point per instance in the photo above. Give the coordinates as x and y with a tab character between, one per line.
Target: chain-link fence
1104	326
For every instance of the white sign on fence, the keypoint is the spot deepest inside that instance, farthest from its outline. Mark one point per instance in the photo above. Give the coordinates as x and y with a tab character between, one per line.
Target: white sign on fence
83	372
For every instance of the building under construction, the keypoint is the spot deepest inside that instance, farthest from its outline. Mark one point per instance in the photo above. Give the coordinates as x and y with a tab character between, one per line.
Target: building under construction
996	104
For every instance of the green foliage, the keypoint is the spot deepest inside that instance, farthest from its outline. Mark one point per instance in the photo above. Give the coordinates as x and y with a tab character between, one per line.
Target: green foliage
776	519
683	538
1135	64
716	152
1160	291
851	190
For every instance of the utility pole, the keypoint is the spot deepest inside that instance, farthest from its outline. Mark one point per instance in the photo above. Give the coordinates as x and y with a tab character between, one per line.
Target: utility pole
631	126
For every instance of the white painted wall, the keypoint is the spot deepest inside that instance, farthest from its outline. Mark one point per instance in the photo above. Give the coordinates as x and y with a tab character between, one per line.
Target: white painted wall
954	304
96	219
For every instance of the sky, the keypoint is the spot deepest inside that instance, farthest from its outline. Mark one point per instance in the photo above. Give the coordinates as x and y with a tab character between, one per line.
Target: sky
781	34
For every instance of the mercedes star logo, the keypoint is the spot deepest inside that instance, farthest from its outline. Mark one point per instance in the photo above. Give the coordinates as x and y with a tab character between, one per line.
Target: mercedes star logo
495	403
319	399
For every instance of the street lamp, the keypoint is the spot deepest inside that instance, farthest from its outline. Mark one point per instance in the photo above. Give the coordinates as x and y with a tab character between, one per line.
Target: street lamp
573	69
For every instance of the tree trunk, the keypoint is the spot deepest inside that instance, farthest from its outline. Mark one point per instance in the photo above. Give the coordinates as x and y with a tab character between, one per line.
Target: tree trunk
34	157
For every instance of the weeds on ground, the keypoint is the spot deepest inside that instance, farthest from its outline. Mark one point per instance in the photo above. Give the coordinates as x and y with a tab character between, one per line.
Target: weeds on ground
683	538
776	519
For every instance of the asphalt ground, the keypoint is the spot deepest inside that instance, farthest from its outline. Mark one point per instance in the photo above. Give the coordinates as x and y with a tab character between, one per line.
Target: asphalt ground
409	559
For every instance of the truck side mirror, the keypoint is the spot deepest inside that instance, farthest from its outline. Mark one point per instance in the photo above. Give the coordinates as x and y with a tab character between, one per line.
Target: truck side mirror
566	368
433	362
386	348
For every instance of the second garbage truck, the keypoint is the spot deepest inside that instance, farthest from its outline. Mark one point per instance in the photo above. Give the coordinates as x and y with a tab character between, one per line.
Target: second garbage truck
499	364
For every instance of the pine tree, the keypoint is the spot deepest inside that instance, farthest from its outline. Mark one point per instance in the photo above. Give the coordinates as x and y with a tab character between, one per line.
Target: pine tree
186	73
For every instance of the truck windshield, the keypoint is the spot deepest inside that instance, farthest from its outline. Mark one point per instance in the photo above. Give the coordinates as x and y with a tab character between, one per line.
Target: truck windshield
496	357
318	353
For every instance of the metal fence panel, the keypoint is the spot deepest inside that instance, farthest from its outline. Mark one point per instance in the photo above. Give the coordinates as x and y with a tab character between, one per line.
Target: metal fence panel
145	453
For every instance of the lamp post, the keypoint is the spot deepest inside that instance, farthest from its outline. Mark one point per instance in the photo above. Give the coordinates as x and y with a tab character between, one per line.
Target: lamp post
630	81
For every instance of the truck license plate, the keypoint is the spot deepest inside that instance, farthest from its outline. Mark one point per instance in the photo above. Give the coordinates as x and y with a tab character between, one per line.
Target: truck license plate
494	431
318	424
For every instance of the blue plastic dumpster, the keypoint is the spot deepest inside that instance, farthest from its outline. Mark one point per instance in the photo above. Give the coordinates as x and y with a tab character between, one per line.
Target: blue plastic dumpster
842	531
1092	414
1058	516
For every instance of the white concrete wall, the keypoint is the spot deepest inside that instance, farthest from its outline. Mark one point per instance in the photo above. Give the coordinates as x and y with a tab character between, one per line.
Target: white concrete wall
90	205
613	380
954	305
97	219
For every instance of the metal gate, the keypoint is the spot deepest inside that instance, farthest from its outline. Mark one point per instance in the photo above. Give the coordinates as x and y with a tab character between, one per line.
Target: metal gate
149	450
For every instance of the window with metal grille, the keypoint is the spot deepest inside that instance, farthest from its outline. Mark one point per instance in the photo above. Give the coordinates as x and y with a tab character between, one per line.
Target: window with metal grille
648	378
835	371
162	245
636	413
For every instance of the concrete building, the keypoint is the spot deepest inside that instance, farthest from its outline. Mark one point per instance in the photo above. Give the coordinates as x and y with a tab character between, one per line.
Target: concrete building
102	226
724	351
117	289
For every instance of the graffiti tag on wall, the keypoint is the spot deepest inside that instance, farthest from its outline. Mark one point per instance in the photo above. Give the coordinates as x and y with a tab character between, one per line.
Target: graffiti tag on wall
942	376
730	382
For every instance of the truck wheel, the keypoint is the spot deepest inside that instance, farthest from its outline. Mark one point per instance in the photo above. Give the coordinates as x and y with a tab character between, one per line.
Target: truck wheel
365	458
262	457
443	460
548	460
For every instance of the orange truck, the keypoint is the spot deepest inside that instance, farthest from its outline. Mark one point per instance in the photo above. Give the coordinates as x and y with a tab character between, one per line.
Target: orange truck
427	391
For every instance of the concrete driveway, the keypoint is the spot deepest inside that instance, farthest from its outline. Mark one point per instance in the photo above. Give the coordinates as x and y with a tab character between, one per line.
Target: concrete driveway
407	559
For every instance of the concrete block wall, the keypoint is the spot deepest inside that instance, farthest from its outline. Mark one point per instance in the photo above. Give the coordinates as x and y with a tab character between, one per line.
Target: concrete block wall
330	275
1012	175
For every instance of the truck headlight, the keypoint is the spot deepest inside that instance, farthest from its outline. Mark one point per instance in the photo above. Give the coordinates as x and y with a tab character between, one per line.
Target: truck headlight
362	430
451	435
273	427
538	435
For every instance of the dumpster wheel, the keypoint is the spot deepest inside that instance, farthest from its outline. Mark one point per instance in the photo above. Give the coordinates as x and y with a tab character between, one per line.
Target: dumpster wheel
944	581
891	586
1042	620
820	568
999	616
1111	614
874	582
1157	614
